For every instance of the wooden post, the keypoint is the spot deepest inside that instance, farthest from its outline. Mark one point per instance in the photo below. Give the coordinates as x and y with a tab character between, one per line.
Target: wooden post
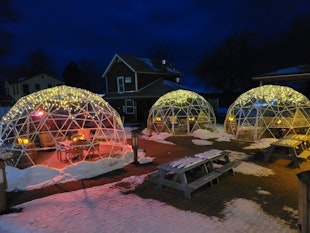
303	201
3	187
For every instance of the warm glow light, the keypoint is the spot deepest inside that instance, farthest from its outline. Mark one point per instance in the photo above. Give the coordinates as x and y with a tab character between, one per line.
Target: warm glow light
158	118
230	118
64	98
191	118
262	108
40	113
271	95
76	138
60	113
179	108
23	141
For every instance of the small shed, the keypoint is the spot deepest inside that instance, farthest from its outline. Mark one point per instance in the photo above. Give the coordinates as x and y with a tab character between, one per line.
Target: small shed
61	122
268	111
181	112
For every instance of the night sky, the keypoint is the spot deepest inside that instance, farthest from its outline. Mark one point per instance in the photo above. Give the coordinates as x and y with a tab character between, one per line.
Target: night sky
70	30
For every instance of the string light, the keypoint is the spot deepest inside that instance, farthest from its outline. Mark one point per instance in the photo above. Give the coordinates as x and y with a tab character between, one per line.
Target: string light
268	106
174	107
59	110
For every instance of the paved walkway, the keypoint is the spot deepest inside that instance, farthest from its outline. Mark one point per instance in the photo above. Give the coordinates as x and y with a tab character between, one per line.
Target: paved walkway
283	186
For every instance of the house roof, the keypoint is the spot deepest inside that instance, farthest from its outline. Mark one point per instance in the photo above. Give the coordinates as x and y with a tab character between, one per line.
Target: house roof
23	79
145	65
153	90
295	73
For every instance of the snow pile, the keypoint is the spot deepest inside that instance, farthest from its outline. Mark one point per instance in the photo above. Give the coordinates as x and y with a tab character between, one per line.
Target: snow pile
106	209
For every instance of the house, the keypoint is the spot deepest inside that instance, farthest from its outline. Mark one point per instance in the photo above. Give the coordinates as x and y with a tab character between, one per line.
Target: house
24	86
133	84
297	77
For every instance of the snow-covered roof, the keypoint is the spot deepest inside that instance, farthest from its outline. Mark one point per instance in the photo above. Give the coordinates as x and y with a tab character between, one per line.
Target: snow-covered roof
295	73
154	90
145	65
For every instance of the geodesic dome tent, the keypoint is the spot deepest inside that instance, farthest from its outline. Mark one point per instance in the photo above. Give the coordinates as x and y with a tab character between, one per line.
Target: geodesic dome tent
60	119
268	111
180	113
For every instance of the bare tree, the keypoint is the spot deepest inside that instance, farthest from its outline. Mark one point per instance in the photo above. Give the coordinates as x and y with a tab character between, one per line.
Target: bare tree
40	62
71	74
83	74
228	67
7	14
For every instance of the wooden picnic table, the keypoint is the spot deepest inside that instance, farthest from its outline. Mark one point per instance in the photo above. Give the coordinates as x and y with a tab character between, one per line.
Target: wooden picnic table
192	172
293	146
301	137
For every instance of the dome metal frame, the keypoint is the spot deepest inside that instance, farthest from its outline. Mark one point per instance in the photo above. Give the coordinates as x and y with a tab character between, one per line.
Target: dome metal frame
268	111
43	120
180	113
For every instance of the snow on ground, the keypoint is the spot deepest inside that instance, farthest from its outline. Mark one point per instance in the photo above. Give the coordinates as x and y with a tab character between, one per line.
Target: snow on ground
106	209
218	134
40	176
158	137
261	144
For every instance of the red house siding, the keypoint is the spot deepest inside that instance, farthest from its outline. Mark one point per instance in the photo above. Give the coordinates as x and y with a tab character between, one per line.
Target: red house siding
117	70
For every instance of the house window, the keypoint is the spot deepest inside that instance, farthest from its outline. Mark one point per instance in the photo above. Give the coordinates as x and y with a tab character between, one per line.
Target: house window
129	107
120	84
128	79
37	86
25	88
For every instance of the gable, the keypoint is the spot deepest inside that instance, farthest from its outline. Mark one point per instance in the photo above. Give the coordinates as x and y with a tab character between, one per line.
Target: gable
144	65
43	78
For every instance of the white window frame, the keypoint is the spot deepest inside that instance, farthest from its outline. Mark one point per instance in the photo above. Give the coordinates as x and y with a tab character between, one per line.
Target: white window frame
120	84
129	107
128	79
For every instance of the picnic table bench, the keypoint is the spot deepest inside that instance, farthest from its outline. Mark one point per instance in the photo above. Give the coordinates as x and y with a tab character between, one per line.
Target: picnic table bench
304	155
295	148
301	137
175	174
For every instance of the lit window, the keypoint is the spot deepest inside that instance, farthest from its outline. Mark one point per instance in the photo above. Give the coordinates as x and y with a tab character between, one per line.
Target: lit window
127	79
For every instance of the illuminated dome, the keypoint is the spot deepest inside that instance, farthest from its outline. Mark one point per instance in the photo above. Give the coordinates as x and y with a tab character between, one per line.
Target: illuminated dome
268	111
61	124
180	113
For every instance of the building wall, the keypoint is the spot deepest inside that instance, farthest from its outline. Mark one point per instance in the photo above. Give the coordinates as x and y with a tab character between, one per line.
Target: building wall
119	69
22	88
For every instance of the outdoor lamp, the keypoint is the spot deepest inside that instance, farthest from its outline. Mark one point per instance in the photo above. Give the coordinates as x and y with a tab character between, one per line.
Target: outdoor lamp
134	137
3	181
